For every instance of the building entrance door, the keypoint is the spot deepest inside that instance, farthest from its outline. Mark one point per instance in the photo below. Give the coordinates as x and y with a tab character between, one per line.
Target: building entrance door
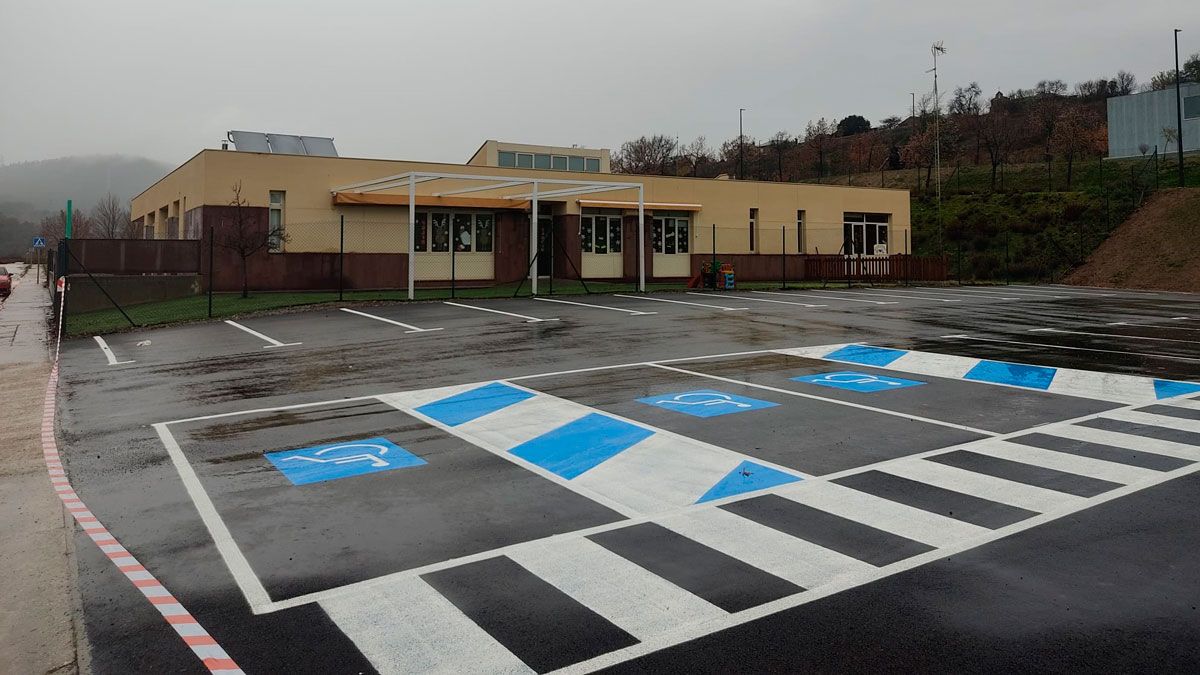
545	246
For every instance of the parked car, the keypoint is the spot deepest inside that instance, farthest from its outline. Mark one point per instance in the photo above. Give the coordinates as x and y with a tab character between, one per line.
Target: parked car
6	281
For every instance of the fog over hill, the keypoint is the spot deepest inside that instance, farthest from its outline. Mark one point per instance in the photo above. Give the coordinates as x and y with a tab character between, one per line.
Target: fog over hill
30	191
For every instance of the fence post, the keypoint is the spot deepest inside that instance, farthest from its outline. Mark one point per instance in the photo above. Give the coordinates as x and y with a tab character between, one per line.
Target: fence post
454	261
550	251
907	261
1006	258
960	271
714	256
341	255
211	252
783	253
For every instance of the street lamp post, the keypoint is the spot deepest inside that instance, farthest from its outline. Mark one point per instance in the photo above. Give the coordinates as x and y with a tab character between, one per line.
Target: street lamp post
936	49
1178	112
741	150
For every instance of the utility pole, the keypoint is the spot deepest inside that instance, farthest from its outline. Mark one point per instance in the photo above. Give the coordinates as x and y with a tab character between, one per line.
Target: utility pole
1178	112
936	49
67	225
741	150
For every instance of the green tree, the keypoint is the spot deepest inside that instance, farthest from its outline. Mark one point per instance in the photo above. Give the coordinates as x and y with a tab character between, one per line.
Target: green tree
853	124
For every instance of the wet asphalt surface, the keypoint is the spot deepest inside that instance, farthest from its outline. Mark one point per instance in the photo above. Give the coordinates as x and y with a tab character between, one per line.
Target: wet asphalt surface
1110	588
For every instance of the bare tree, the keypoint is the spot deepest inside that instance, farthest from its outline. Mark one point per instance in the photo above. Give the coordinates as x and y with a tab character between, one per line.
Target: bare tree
966	106
697	155
245	234
54	228
999	132
1126	83
1074	136
780	143
918	153
818	137
646	155
110	219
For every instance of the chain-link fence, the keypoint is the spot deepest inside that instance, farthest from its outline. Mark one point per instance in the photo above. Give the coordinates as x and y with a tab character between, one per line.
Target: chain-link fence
241	266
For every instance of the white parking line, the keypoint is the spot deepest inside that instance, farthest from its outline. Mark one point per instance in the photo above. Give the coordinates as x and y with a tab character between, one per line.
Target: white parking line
631	312
108	353
681	302
1110	335
827	297
996	294
1154	325
411	329
1076	349
1043	291
273	342
528	319
781	302
907	295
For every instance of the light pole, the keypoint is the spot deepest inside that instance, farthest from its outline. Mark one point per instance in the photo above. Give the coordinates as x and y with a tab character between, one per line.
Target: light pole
741	150
1178	112
936	49
914	107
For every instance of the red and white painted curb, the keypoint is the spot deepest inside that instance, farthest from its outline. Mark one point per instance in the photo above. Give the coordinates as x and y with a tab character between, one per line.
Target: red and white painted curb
189	629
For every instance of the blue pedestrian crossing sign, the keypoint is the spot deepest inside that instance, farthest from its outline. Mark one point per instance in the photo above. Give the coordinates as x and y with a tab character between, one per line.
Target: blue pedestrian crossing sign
341	460
855	381
39	242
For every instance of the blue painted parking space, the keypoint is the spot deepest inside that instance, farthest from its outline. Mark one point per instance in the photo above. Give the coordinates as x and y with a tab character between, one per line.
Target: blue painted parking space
747	477
706	403
856	381
342	460
469	405
866	355
573	448
1017	375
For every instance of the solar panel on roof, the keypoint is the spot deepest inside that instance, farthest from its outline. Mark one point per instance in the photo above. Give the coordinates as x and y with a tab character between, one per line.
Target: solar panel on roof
319	146
249	141
286	144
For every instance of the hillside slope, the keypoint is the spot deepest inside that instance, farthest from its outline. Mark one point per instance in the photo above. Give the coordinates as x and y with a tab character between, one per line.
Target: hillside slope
1155	248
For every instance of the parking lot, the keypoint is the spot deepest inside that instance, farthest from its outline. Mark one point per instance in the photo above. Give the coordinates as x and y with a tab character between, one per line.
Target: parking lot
670	481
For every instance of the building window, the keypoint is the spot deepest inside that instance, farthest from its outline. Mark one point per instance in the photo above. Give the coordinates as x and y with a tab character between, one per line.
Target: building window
753	228
524	160
275	223
592	164
1191	107
508	158
558	162
421	234
800	231
577	163
600	233
863	232
671	233
468	232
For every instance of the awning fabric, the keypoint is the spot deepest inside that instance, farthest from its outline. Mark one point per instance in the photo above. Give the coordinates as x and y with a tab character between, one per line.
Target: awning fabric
661	206
377	199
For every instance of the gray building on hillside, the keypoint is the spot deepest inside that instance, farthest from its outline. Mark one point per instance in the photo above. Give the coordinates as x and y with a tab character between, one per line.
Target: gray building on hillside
1139	119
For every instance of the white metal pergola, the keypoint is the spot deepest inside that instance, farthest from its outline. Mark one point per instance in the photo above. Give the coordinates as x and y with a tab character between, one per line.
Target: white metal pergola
493	183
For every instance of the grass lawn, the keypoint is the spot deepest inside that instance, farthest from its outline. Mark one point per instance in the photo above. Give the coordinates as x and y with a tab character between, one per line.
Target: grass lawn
232	304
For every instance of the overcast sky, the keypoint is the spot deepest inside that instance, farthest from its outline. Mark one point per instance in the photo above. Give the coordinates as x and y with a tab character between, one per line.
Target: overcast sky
433	79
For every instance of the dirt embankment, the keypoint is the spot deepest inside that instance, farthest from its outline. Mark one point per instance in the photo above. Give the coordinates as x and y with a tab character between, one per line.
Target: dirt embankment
1156	248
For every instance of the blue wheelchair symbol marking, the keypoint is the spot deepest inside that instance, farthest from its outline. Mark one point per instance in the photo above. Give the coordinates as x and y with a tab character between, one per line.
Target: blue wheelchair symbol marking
706	403
855	381
341	460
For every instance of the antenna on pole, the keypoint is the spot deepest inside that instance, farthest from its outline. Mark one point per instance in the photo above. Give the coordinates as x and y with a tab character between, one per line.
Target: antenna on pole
936	49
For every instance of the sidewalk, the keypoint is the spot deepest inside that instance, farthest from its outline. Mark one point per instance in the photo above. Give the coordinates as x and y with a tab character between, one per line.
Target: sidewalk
37	631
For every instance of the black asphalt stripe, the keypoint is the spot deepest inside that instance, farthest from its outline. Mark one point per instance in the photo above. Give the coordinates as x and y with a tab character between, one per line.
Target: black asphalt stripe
1051	479
1108	453
843	535
541	625
720	579
1172	411
957	505
1148	430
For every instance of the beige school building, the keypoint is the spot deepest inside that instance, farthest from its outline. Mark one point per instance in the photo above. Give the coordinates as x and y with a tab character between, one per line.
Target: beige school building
475	221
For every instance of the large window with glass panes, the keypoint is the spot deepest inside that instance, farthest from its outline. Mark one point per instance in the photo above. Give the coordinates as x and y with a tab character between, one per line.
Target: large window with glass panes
460	231
600	231
671	232
865	233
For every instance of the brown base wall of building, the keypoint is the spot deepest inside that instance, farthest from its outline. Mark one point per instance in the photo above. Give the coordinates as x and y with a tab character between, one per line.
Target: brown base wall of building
85	295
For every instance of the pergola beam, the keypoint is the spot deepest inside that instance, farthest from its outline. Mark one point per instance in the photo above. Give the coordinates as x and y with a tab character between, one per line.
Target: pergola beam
482	188
566	192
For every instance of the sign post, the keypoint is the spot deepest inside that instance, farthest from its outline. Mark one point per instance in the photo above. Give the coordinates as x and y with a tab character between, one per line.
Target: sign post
68	228
39	248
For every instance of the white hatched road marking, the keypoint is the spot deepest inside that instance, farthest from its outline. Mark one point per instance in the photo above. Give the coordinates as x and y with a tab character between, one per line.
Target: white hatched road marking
1140	417
410	328
406	626
639	602
827	297
1063	461
995	489
528	319
1123	440
272	341
631	312
108	352
682	302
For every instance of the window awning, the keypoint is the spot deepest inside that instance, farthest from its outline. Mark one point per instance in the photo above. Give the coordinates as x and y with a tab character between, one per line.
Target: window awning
660	206
367	199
